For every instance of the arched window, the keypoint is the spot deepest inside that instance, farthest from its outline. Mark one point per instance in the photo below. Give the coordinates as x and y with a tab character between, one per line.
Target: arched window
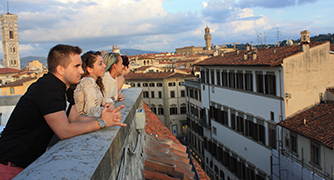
13	49
11	34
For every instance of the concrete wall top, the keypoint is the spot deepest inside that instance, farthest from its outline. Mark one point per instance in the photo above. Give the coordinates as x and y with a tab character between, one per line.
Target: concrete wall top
88	156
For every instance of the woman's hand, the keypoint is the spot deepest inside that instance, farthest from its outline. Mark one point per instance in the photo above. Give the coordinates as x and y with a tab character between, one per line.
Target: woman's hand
120	97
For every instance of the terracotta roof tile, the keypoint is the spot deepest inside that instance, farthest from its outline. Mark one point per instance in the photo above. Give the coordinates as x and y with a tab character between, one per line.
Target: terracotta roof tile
9	70
268	57
331	90
318	124
19	82
154	75
166	157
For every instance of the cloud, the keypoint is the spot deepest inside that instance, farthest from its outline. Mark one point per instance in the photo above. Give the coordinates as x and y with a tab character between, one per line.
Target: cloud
273	3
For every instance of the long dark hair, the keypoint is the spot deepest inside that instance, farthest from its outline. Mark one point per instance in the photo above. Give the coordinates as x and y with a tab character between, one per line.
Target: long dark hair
88	60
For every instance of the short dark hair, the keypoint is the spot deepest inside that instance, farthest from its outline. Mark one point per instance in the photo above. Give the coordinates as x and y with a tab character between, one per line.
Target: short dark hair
60	55
126	61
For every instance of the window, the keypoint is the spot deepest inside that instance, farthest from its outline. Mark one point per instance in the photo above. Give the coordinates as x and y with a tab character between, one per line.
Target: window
145	94
249	126
212	76
270	83
152	94
240	119
183	109
293	141
12	90
11	34
159	84
191	92
249	81
152	84
160	94
173	110
207	76
202	76
172	94
315	153
153	108
251	172
183	93
145	84
261	128
272	116
259	82
132	84
272	135
231	83
218	77
233	124
224	78
224	116
180	83
171	84
240	80
222	175
160	110
196	94
138	84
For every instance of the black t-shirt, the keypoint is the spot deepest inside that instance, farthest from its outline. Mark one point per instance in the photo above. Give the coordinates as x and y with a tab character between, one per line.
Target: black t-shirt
27	134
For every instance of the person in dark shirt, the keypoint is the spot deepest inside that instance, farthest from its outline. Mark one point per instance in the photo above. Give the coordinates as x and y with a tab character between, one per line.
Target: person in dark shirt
48	108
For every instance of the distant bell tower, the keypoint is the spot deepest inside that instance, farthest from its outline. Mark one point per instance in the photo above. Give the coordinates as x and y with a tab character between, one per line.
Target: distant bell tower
207	37
10	41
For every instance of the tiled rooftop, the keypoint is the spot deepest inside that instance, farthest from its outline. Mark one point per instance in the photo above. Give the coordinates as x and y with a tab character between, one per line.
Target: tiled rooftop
18	82
153	75
268	57
318	125
9	70
332	47
166	156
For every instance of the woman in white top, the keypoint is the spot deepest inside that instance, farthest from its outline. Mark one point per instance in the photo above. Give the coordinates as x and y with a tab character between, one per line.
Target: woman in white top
126	70
88	94
114	68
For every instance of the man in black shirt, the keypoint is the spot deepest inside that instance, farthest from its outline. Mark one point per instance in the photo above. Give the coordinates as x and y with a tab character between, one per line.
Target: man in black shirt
48	108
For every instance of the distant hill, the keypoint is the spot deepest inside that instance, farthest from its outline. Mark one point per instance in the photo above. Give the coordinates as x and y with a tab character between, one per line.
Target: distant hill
25	60
132	52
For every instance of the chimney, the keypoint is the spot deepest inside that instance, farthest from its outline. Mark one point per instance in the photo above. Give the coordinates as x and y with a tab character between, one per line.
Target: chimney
237	51
245	56
304	121
274	51
254	55
247	47
222	54
305	40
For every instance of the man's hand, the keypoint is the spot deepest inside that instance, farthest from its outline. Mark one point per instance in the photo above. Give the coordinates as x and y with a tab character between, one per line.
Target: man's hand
120	97
113	117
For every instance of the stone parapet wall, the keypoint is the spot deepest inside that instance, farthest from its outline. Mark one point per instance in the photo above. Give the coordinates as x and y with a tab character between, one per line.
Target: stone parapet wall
111	153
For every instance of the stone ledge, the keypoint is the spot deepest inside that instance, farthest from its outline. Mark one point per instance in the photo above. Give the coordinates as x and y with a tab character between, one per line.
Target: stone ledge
95	155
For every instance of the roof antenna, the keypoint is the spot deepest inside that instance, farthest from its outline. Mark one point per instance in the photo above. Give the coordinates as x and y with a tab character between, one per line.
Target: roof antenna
7	8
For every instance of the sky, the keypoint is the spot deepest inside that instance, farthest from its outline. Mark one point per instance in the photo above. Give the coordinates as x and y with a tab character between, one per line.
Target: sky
162	25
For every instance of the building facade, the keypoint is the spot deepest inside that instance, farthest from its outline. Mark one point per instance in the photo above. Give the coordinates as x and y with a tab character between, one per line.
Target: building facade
10	41
246	93
164	93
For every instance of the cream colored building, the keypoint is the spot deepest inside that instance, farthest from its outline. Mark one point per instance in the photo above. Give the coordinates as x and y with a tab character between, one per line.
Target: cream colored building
165	95
247	92
18	87
35	65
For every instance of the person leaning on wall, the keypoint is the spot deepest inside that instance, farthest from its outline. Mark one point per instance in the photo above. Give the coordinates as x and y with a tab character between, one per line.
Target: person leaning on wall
48	108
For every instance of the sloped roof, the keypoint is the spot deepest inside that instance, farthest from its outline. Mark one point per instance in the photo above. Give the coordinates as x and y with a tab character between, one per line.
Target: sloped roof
332	47
154	75
18	82
166	156
265	57
319	123
9	70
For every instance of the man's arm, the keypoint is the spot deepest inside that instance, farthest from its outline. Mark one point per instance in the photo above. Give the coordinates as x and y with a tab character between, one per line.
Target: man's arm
65	129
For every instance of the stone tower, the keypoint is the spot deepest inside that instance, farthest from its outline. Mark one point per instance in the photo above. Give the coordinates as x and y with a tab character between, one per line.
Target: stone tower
207	37
305	37
10	41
